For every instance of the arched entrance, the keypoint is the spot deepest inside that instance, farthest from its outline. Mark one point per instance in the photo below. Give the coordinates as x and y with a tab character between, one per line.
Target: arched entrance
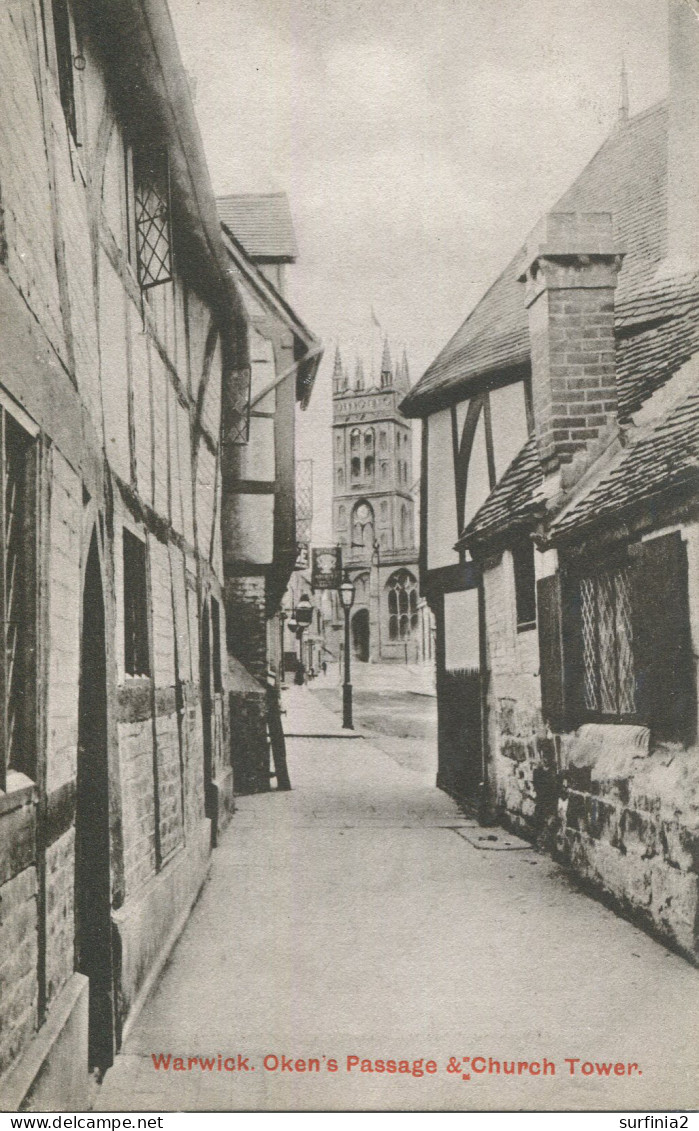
93	943
360	634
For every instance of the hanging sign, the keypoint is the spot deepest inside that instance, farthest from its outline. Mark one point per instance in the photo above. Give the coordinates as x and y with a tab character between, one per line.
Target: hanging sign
327	567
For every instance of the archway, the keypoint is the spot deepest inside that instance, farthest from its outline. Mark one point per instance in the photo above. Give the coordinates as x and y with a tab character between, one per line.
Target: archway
93	943
360	635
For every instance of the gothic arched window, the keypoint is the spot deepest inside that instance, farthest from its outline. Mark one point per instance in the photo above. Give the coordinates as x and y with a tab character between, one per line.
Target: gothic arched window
382	440
363	525
338	441
355	440
340	477
368	467
384	470
402	605
356	467
369	440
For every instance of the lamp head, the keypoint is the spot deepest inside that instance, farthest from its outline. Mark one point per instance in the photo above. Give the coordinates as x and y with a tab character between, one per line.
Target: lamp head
304	611
346	592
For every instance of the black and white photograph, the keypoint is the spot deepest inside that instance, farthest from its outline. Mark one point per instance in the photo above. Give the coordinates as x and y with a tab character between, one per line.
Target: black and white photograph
349	559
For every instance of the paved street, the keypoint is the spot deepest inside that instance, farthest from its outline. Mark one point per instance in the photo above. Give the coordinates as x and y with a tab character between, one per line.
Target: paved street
362	915
402	723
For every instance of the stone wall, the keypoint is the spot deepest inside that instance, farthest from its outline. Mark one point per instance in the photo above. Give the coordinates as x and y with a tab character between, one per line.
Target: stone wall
623	816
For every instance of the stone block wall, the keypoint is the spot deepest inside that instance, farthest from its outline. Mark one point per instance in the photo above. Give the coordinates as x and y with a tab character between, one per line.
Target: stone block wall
60	899
18	965
624	817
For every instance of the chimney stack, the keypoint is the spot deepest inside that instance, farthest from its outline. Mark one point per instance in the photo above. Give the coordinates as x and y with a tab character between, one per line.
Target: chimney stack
570	274
683	138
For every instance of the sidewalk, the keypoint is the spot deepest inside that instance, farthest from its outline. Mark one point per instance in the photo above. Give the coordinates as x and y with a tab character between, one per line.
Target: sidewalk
362	915
305	717
418	679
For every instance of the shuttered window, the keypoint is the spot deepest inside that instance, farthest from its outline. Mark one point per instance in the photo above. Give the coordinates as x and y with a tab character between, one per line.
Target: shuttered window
664	659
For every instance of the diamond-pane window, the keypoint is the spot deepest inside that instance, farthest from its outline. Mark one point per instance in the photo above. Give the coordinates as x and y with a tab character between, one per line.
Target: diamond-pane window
152	218
607	644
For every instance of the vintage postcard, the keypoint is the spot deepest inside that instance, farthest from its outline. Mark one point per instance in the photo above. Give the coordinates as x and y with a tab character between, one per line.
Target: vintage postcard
349	557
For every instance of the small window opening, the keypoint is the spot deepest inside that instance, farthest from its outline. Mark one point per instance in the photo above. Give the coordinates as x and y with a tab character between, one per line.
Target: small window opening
151	181
136	658
525	586
216	644
18	592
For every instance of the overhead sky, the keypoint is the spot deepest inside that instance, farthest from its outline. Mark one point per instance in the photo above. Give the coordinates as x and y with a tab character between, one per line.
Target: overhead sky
418	140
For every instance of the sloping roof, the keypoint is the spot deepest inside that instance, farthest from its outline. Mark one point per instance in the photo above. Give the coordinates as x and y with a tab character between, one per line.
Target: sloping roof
512	500
261	222
656	330
667	458
268	294
627	177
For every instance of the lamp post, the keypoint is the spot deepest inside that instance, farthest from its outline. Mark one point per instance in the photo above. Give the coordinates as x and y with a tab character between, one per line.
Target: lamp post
346	591
300	620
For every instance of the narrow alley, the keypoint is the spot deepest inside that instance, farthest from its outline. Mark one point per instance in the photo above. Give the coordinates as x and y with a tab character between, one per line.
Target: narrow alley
363	916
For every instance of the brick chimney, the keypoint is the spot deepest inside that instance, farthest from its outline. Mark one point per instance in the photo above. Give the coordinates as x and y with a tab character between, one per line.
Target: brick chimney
570	272
683	137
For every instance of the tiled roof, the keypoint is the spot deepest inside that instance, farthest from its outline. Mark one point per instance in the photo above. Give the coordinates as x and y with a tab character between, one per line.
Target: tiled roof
626	177
666	458
657	332
261	222
513	500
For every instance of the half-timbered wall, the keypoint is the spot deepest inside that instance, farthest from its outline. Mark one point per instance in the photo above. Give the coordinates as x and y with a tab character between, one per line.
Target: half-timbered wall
122	390
469	447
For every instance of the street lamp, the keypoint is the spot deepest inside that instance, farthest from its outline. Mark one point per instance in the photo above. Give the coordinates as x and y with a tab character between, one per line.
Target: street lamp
346	591
301	619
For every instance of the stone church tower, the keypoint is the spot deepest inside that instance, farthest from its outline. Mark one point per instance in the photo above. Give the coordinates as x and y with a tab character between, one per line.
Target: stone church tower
374	508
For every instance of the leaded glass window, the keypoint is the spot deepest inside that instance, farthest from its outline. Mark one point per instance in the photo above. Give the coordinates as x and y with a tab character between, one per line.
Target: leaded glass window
607	644
151	177
402	605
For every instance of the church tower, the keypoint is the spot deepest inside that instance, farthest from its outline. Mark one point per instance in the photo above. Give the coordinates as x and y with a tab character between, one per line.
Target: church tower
374	506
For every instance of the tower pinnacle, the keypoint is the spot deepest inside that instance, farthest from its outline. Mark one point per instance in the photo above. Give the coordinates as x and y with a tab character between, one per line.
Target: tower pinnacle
339	379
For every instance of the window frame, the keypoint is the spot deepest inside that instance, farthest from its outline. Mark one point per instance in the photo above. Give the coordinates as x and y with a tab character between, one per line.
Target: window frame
139	160
524	578
24	671
136	618
592	573
216	667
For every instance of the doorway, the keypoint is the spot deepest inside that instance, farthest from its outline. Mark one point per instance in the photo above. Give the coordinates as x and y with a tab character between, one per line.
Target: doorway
93	944
360	635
